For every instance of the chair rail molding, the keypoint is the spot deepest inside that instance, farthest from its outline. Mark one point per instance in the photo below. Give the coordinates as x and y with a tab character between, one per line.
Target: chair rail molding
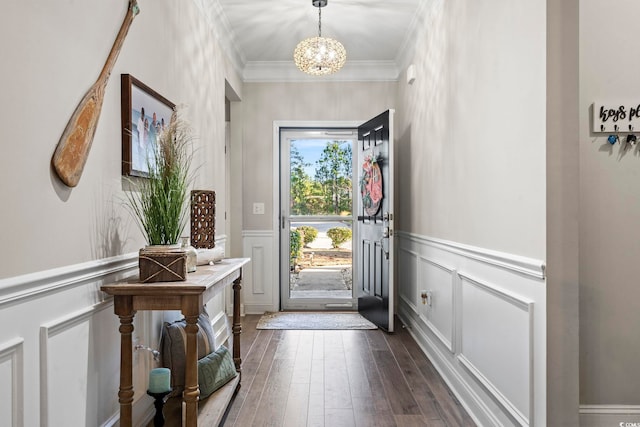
519	264
19	288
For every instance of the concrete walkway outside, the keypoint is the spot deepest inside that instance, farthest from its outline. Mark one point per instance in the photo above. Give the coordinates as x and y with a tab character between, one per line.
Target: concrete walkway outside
321	279
322	282
332	281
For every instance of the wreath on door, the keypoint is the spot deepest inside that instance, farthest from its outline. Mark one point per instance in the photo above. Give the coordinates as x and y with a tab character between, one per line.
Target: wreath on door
371	185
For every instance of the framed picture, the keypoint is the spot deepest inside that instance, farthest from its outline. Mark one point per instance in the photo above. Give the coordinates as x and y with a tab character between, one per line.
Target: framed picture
145	113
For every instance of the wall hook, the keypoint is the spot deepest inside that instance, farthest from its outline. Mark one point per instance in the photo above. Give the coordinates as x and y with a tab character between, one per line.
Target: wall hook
630	127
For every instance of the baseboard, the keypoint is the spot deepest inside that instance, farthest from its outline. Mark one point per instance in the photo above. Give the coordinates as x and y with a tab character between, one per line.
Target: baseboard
610	415
257	308
469	400
142	414
111	421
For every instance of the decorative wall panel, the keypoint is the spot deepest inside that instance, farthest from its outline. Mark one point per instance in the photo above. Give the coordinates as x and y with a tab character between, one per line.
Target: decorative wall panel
483	327
12	385
497	343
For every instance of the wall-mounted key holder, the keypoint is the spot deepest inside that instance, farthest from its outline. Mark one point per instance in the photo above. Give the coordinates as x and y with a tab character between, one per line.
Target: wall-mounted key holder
616	116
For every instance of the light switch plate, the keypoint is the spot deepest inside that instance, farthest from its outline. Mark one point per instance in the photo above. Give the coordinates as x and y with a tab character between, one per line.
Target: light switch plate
258	208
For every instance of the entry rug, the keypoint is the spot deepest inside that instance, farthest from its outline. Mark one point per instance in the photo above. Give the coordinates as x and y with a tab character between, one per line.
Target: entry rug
314	320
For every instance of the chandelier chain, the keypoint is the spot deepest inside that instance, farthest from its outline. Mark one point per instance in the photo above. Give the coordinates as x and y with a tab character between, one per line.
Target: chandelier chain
319	22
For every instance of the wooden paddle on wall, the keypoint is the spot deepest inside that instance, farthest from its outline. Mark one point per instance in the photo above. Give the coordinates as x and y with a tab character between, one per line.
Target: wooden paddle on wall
74	145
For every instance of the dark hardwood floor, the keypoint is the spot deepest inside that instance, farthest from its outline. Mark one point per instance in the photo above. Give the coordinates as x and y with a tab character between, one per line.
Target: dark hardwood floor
339	378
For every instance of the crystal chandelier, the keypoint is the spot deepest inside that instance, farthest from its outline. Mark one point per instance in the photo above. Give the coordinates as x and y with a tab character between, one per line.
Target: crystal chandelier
319	56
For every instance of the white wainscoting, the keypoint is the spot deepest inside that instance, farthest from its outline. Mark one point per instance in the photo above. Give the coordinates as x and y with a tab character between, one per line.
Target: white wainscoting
260	290
62	346
502	322
485	327
68	360
11	385
61	369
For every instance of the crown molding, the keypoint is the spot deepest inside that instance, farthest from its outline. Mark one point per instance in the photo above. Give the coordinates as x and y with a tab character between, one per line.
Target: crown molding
407	49
219	24
415	32
285	71
353	71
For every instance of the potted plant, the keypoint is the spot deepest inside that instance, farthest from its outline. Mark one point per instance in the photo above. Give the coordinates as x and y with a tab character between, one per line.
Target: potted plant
159	203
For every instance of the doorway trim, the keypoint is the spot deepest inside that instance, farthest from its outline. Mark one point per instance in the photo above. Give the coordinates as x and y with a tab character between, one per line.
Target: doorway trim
277	126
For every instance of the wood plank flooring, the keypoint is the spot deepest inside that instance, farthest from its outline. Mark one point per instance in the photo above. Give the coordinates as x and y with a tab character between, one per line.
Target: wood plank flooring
339	378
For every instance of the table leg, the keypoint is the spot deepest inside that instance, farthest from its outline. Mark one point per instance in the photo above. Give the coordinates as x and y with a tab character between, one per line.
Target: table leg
191	390
237	325
125	394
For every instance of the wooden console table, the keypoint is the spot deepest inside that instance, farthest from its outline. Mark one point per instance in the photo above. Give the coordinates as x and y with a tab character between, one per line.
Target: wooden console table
189	297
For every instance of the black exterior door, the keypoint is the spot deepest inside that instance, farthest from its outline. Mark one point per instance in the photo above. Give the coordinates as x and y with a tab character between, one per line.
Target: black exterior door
375	221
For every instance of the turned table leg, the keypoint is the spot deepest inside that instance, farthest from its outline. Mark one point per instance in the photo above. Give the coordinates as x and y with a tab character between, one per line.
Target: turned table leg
191	390
125	311
237	325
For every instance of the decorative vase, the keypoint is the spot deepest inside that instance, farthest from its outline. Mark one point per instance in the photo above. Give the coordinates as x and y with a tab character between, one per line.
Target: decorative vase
192	255
203	219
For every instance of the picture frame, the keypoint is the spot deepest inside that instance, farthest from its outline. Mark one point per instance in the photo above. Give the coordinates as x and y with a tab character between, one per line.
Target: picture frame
144	114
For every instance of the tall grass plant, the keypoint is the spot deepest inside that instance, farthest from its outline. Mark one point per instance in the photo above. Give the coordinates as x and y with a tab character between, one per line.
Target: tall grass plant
160	202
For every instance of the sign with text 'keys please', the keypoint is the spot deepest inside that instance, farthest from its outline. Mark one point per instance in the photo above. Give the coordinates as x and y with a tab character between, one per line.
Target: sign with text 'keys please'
616	116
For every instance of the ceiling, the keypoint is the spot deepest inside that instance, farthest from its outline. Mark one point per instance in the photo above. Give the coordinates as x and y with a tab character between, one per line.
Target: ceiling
260	36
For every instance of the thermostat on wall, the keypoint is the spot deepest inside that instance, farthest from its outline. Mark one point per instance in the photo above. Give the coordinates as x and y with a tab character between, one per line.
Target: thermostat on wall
411	74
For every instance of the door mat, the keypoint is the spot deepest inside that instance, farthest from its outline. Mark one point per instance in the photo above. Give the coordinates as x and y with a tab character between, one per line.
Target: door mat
314	320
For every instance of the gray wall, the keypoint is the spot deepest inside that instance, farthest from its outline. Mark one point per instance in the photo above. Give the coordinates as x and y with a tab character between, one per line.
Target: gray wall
49	62
471	128
264	103
609	211
56	239
562	213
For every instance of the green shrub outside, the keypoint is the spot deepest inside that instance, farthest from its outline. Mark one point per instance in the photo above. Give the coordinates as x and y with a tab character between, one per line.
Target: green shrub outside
295	245
339	235
309	234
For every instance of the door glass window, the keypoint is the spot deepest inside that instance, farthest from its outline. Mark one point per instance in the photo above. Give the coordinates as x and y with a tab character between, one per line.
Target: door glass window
320	206
321	177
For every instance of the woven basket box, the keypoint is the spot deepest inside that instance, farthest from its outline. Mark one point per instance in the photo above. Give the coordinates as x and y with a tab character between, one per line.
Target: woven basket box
158	266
